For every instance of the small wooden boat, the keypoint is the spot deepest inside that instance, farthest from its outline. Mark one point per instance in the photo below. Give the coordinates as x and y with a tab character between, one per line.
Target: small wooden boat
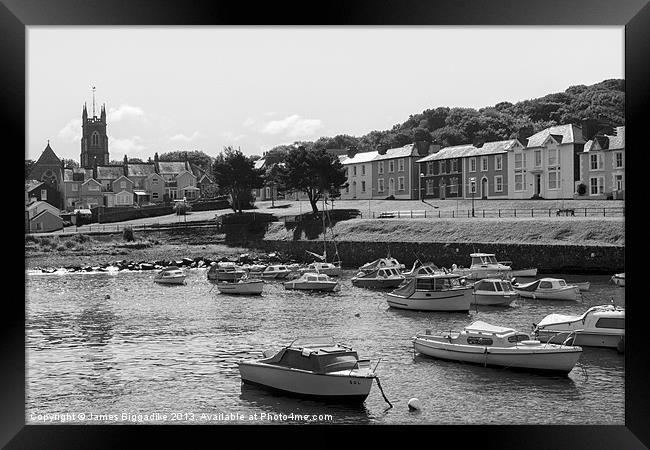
225	271
549	289
313	368
440	292
312	281
388	277
170	275
489	345
599	326
243	286
618	279
494	292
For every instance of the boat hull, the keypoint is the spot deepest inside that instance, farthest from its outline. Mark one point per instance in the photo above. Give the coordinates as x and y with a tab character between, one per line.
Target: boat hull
229	276
585	339
175	280
571	293
377	283
493	299
524	273
252	288
457	300
548	360
314	286
344	386
274	275
618	281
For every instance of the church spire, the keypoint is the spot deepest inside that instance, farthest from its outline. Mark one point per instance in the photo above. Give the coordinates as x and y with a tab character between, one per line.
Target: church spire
84	114
93	101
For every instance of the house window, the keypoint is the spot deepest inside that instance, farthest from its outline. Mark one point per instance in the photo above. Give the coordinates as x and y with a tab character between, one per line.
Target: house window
44	194
596	161
443	166
39	226
154	195
618	160
520	161
267	192
400	165
154	181
391	186
538	158
618	182
436	167
596	185
472	164
93	187
430	168
354	171
484	164
380	185
554	178
363	169
391	166
363	186
498	162
400	183
498	183
354	189
381	167
75	187
429	187
95	138
553	156
122	184
454	165
453	188
519	181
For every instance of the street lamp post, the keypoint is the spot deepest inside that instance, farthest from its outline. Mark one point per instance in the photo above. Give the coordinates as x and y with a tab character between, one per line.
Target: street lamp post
472	181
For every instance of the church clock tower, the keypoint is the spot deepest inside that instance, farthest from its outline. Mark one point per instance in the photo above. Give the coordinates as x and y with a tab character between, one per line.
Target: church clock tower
94	142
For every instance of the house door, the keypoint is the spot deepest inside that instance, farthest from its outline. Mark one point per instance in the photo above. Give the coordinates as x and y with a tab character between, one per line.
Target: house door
484	188
354	189
538	184
443	190
391	187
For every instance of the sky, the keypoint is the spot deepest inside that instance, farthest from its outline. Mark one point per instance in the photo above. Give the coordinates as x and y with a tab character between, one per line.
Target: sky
204	88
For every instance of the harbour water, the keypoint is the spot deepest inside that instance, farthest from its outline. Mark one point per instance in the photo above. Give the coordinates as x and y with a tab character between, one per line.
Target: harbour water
117	348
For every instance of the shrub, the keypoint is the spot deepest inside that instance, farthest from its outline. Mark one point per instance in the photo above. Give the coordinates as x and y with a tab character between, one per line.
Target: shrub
81	238
61	248
127	234
582	189
69	243
30	238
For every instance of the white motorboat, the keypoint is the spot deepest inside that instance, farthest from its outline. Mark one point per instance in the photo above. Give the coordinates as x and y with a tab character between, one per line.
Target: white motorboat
170	275
253	269
243	286
494	292
276	272
420	269
315	368
549	289
522	273
388	277
484	265
225	271
489	345
618	279
331	269
599	326
381	263
312	281
439	292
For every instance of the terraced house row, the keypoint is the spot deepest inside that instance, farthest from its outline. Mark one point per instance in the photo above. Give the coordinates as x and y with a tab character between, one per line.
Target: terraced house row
555	163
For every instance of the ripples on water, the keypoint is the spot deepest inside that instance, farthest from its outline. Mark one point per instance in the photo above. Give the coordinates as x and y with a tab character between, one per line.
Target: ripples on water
119	343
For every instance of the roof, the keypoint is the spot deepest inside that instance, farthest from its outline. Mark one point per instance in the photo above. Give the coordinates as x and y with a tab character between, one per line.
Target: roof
140	192
400	152
45	211
199	172
48	157
362	157
456	151
570	134
39	203
30	185
109	172
487	328
171	167
260	163
608	142
140	170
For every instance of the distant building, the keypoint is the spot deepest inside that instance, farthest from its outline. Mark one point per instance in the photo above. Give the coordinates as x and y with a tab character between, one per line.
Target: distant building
42	217
602	166
395	171
94	140
48	169
358	171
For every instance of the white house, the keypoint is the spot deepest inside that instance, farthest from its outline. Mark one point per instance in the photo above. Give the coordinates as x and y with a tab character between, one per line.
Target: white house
358	170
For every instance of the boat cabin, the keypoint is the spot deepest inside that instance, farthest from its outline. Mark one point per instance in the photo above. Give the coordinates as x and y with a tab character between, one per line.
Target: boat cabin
388	272
320	356
171	271
422	271
491	285
438	282
315	277
483	259
483	334
597	317
270	269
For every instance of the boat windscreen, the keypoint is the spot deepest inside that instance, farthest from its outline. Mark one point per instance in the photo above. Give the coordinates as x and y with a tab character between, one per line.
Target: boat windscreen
529	287
408	289
333	363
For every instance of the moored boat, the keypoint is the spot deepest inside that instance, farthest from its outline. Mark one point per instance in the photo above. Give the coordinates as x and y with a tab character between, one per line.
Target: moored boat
170	275
618	279
599	326
388	277
243	286
312	281
494	292
330	269
388	262
420	269
489	345
549	289
583	286
225	271
315	368
522	273
484	265
276	272
439	292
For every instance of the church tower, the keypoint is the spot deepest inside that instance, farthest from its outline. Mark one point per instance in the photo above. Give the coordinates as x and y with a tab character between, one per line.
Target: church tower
94	142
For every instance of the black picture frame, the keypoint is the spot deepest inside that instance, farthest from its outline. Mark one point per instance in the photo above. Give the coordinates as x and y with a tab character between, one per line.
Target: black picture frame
16	15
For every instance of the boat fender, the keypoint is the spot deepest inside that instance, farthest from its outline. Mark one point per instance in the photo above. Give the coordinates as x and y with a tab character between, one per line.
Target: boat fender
414	404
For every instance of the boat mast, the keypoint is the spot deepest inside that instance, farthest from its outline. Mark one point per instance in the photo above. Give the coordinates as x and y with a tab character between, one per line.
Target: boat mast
324	232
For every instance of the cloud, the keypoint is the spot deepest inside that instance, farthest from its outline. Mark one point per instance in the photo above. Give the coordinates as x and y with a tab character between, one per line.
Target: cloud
72	131
249	122
293	126
183	138
124	112
127	145
229	136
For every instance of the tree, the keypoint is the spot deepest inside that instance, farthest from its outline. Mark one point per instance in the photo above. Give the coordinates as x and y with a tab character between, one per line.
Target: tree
274	177
135	161
236	175
69	163
314	172
196	157
29	165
